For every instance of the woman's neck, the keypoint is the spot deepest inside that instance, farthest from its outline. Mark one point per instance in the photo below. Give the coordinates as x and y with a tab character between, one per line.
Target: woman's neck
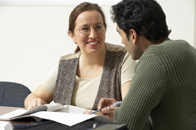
93	59
91	66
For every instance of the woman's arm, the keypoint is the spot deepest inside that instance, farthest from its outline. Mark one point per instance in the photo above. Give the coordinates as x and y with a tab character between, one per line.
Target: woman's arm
44	93
125	89
38	97
127	72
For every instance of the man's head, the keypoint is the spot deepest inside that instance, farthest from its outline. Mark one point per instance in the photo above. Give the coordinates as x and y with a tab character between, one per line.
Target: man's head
144	17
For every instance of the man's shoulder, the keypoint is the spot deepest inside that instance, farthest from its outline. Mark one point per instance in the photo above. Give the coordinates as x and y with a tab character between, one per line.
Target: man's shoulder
172	51
174	43
167	47
174	47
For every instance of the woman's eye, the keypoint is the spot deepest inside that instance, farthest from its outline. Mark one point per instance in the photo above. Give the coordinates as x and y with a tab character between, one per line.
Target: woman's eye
85	29
98	27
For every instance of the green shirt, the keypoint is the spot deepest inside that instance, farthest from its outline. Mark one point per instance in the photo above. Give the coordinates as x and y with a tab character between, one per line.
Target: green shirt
163	88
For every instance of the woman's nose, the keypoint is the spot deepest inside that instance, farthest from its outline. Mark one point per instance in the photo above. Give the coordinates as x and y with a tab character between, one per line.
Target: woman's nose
93	33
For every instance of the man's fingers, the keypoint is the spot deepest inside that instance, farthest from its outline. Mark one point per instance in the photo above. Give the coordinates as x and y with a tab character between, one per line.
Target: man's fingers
104	102
101	103
108	109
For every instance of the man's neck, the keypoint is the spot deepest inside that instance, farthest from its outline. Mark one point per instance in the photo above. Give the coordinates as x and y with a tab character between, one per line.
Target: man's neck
146	43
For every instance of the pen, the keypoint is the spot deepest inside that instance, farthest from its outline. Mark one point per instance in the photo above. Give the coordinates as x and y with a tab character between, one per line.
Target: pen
22	125
36	122
113	105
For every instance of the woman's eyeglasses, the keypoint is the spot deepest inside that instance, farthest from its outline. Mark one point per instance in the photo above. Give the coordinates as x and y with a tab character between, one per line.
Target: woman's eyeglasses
86	29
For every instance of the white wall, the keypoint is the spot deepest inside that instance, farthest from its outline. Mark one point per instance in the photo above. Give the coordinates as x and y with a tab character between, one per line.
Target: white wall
195	27
33	37
180	16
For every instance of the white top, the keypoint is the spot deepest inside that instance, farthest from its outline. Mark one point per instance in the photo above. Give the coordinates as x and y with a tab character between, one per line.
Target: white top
85	90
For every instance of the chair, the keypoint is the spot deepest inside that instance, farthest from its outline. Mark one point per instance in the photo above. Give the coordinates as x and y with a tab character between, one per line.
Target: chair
13	94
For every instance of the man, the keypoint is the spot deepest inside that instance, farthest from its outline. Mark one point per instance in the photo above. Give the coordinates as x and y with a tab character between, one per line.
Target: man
164	85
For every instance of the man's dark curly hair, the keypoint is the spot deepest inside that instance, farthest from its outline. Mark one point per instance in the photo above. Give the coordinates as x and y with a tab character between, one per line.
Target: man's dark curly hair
146	17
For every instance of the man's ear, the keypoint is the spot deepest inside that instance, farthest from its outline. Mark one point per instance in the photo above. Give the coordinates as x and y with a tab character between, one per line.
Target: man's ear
133	35
71	36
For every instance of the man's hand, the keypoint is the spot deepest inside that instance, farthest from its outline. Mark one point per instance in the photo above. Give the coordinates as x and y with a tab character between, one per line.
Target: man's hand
107	111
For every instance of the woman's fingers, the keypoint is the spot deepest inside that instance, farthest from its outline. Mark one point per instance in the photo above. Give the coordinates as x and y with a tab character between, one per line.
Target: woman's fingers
36	102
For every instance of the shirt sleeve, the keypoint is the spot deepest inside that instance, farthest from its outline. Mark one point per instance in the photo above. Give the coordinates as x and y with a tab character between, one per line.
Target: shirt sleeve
146	90
50	81
127	68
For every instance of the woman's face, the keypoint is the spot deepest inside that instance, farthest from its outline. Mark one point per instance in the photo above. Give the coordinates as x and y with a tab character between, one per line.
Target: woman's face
89	32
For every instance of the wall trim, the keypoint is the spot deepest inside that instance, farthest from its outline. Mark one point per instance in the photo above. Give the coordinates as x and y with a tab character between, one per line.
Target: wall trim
56	2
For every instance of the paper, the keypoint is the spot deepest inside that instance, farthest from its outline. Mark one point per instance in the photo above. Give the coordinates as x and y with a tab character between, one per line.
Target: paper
14	113
21	112
5	125
67	115
54	106
69	119
71	109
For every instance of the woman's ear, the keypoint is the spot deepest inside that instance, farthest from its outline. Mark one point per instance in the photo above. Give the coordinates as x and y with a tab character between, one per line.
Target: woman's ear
133	35
71	35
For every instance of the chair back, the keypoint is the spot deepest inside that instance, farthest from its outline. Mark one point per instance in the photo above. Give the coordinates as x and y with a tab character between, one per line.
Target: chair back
13	94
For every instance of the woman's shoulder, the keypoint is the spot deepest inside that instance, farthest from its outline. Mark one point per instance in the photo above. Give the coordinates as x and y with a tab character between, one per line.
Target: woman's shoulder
115	47
70	56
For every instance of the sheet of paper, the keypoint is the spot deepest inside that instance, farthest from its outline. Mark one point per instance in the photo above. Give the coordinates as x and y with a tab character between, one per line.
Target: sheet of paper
74	109
19	112
69	119
71	109
14	113
54	106
4	125
68	115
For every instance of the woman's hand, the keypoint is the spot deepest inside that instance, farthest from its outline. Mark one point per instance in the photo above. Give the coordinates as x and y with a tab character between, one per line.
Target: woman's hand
38	97
36	102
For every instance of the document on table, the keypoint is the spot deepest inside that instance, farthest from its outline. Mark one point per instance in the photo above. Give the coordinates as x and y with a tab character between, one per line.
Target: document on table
69	119
68	115
5	125
14	113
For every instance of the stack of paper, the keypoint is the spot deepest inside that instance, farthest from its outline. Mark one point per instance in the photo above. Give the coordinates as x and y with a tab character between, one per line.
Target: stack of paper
5	125
68	115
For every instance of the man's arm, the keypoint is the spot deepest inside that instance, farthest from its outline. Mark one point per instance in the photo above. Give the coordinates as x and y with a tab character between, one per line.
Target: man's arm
145	92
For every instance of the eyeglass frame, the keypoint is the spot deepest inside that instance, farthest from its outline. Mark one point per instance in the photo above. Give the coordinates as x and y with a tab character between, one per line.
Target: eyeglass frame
89	30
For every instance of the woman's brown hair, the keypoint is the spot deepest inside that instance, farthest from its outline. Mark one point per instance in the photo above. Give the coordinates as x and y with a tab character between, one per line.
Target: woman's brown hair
85	6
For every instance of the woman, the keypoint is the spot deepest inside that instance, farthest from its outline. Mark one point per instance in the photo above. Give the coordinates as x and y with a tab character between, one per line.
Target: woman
97	69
